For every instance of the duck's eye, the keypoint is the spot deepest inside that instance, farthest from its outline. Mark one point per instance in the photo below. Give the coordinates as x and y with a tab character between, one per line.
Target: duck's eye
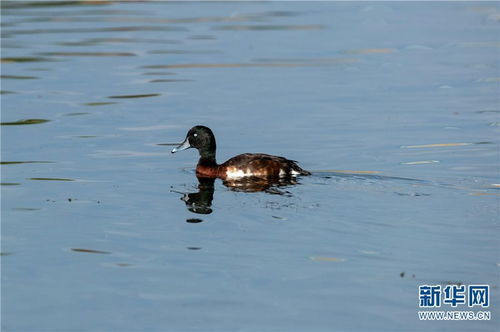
195	135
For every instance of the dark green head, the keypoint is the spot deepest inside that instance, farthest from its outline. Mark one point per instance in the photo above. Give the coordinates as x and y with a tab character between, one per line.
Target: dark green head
200	138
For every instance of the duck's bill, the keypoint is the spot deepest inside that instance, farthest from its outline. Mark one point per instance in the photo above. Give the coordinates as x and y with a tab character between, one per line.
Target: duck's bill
185	145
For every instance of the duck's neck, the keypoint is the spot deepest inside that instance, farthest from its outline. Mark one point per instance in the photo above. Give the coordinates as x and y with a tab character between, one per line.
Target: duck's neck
207	156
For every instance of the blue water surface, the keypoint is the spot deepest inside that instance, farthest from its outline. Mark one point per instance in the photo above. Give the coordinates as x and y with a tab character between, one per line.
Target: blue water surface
392	106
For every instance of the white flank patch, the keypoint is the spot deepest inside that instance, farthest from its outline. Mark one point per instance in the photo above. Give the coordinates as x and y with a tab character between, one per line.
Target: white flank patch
233	174
292	173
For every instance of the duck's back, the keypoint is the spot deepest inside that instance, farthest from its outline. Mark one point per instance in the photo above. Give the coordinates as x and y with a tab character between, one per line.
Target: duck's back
260	165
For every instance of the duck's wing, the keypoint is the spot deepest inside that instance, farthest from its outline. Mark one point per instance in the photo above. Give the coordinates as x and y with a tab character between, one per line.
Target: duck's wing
262	165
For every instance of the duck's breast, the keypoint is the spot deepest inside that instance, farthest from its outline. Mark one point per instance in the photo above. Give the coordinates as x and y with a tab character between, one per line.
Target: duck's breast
207	171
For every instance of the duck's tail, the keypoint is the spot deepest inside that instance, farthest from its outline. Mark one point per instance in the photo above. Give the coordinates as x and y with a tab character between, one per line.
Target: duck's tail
296	170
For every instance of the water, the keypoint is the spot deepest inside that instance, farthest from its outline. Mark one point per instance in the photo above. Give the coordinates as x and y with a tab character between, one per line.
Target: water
394	112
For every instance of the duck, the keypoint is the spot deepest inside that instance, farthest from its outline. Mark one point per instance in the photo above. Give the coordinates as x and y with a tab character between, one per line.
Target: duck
242	166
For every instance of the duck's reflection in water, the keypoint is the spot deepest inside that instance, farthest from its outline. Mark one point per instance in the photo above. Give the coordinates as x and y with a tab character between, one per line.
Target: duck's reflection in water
255	184
201	202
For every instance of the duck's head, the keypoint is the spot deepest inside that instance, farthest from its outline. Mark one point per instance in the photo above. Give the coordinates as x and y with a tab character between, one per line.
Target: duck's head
198	137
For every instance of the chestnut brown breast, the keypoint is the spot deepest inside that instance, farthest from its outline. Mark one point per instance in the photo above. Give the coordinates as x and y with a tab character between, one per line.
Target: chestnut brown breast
208	171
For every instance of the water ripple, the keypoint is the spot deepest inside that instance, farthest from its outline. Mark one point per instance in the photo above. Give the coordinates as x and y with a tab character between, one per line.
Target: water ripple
270	27
24	122
92	30
262	64
88	54
135	96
